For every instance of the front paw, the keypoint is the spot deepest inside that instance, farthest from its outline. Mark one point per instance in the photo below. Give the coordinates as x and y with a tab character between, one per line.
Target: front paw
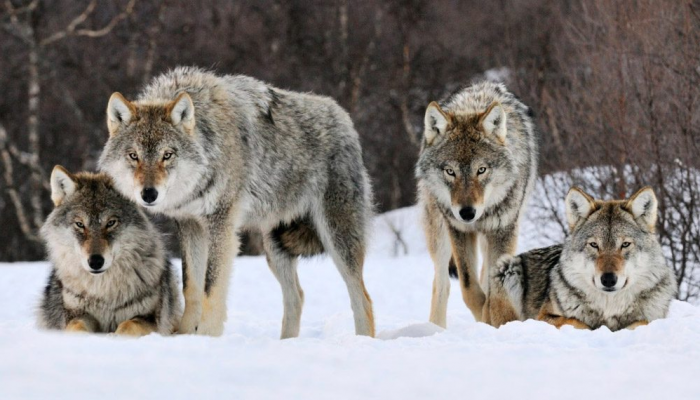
190	322
135	328
637	325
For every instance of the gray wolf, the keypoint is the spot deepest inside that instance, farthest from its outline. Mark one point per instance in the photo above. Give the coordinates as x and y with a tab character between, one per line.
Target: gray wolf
476	170
223	154
610	271
110	271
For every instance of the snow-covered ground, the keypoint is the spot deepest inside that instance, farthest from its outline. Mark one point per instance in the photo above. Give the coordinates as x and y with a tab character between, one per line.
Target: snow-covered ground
410	359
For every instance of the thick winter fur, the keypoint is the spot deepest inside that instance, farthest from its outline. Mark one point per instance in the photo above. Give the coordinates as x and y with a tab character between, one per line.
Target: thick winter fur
567	284
222	154
475	172
110	272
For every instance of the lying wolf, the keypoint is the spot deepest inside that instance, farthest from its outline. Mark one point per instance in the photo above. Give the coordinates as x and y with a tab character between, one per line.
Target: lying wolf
110	272
609	272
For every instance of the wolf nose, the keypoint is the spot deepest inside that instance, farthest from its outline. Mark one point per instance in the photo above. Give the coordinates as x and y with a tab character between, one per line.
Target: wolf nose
467	213
96	261
149	195
608	279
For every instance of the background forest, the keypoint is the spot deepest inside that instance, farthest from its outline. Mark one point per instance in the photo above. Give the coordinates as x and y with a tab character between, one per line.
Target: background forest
615	86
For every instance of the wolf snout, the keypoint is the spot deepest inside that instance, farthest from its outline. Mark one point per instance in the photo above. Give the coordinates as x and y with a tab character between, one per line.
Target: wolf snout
149	195
609	280
96	262
467	213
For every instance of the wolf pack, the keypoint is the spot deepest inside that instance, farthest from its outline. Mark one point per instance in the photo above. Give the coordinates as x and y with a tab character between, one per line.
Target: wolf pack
225	154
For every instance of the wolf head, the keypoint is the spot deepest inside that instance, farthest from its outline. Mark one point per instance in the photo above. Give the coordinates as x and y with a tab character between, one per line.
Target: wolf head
91	222
612	243
152	153
465	162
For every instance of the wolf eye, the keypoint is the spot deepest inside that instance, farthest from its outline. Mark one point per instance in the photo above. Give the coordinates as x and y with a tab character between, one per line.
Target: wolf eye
450	171
134	156
481	170
111	223
79	224
167	155
594	245
626	244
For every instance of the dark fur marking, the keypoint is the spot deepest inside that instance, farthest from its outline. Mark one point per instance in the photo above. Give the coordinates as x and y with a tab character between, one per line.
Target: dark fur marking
298	238
452	269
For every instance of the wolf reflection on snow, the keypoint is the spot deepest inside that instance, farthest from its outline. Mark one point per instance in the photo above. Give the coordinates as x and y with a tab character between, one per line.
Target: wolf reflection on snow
468	360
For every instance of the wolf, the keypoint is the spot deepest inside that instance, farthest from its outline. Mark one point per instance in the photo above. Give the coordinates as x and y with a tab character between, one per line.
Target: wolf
475	172
223	154
610	272
110	272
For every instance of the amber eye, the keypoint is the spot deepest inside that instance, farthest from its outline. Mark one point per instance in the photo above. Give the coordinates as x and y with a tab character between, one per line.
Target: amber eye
626	244
134	156
80	225
111	223
594	245
167	155
481	170
450	171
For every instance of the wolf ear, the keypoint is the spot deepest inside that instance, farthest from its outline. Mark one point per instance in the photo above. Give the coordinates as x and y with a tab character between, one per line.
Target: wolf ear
62	184
494	121
181	111
643	206
119	111
436	122
579	205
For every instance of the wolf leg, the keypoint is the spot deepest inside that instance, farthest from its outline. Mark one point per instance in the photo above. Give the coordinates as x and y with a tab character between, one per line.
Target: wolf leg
84	324
136	327
464	248
493	246
194	245
440	251
284	266
223	245
342	232
504	299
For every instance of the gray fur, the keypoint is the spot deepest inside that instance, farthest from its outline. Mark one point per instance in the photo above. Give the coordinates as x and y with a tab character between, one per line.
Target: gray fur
136	281
289	164
461	137
561	281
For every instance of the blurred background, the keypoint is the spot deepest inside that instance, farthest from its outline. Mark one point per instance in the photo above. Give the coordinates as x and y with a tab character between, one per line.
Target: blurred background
615	87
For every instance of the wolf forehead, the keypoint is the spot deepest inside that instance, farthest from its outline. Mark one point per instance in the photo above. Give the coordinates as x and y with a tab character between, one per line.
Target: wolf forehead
611	219
94	195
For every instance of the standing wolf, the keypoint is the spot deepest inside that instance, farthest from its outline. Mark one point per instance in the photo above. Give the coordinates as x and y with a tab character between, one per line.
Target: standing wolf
110	272
476	169
610	271
221	154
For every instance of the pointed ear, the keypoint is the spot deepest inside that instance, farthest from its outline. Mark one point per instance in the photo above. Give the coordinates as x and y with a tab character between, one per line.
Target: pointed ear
119	111
62	185
181	111
579	205
493	120
436	123
643	206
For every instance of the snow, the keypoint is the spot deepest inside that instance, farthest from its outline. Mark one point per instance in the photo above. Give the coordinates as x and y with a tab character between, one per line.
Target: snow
410	358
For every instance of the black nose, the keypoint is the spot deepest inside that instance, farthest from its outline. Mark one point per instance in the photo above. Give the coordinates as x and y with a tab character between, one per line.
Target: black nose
467	213
96	261
608	279
149	195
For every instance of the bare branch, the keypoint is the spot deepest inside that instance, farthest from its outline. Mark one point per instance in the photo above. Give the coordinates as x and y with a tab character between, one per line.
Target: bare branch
71	29
8	177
